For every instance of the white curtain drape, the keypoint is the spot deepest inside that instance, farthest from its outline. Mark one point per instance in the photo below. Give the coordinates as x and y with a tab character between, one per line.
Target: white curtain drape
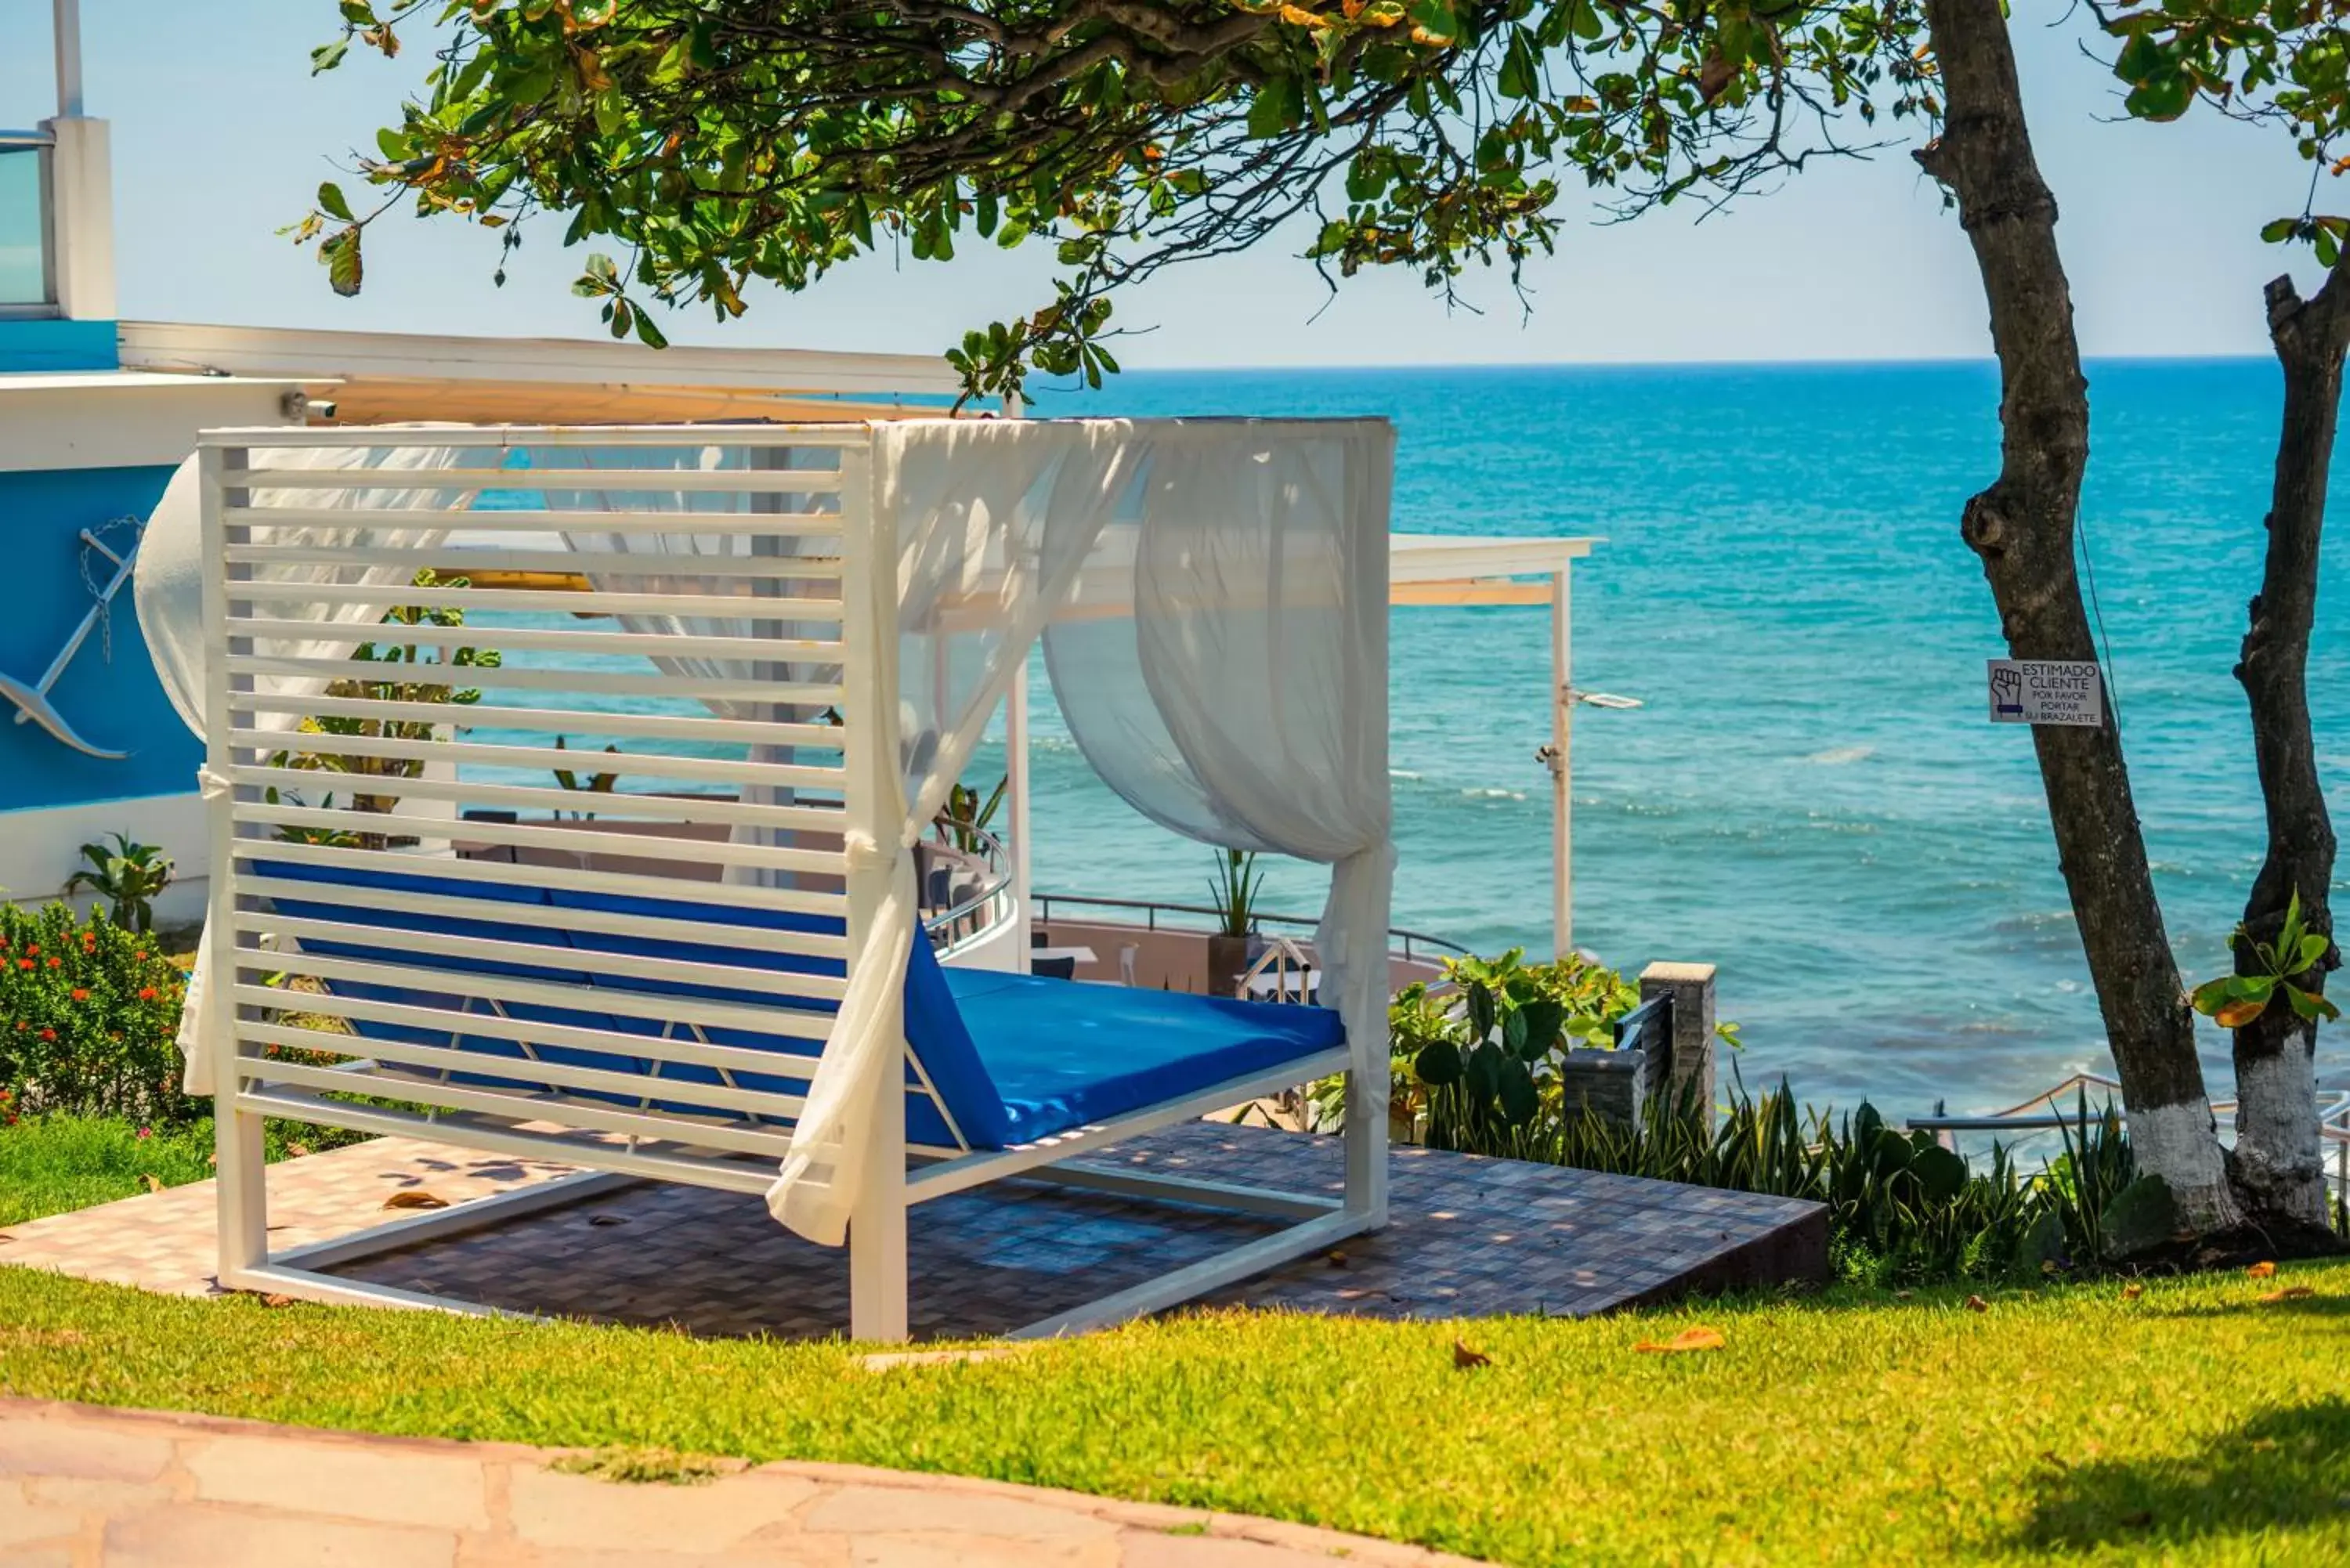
1243	699
988	525
167	588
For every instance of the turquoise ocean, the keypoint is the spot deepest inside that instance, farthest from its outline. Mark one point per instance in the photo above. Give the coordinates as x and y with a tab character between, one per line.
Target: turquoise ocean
1811	797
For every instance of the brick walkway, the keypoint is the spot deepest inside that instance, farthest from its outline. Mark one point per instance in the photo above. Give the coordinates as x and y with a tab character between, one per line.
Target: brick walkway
1470	1237
81	1487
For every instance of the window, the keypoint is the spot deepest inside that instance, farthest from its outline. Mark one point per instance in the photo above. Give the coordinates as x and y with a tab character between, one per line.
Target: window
24	226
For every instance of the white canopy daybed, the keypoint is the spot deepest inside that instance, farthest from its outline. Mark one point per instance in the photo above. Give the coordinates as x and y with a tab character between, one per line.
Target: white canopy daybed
815	625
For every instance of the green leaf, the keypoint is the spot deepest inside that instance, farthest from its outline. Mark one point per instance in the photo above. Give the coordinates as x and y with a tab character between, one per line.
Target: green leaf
652	336
1437	1063
1520	75
1941	1175
331	203
2313	952
1436	18
2284	229
327	57
1520	1099
340	253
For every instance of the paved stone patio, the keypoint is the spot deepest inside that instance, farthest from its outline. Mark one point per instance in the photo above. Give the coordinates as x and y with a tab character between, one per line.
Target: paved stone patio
1470	1237
82	1487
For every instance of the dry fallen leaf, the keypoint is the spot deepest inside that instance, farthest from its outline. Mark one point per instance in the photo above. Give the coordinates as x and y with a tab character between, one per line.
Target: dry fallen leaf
1464	1358
2132	1291
417	1199
298	1150
2290	1293
277	1301
154	1183
1976	1303
605	1220
2261	1271
1686	1340
1336	1260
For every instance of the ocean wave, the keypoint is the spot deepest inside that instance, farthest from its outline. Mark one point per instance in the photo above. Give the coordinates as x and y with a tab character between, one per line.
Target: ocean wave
1404	773
1839	756
1493	794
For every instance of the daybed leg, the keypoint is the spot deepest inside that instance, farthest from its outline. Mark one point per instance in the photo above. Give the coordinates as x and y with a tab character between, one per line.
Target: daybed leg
877	1235
241	1183
1367	1144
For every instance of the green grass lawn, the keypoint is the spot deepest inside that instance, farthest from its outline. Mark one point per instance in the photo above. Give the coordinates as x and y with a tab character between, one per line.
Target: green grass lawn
52	1164
2194	1423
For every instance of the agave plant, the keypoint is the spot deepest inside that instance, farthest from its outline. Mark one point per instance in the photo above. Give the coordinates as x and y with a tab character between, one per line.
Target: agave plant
128	876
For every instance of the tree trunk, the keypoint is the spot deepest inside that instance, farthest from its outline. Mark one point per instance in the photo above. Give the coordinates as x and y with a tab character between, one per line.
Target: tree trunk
2021	528
2279	1164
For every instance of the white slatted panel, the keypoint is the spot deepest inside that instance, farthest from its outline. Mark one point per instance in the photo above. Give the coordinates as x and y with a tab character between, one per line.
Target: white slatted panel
742	757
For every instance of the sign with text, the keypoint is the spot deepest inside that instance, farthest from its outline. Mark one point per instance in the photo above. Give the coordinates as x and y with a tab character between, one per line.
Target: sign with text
2047	691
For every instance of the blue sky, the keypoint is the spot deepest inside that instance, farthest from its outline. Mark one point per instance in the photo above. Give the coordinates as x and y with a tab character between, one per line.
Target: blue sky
219	134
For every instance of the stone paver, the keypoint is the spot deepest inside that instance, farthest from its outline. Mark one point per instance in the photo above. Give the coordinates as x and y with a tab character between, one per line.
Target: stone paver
130	1489
1469	1238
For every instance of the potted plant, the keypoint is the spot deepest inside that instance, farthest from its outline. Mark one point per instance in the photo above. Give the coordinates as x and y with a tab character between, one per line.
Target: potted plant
1233	893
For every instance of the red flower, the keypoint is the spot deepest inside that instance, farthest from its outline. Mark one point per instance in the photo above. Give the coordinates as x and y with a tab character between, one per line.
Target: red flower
147	994
49	1033
32	950
81	993
146	1132
141	955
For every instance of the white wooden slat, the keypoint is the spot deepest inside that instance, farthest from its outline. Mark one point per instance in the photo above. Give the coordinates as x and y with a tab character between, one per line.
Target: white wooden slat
546	481
663	1160
524	678
572	879
560	601
558	1108
551	721
607	807
562	1075
547	521
498	754
593	644
512	990
678	1048
612	564
530	836
753	938
782	984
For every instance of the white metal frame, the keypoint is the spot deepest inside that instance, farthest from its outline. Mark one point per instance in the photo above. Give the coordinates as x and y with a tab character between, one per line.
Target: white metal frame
809	560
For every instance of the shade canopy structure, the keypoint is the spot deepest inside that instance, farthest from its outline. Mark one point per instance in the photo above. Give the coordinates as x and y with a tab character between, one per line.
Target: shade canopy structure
825	617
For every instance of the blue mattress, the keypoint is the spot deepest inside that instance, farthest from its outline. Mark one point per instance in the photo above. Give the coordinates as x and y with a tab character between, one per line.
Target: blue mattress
1015	1058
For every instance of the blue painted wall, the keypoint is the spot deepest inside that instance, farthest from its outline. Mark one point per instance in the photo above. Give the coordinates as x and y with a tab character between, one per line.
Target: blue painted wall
115	704
55	346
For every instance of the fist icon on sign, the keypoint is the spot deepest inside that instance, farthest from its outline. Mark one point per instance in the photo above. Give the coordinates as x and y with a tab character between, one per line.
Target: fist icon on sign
2007	693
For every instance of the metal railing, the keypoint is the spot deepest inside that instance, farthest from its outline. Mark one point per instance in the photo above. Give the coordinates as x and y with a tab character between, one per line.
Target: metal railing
965	917
2040	1113
1651	1022
1152	909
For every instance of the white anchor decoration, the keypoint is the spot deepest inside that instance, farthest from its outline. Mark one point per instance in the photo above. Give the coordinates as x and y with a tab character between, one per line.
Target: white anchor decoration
33	701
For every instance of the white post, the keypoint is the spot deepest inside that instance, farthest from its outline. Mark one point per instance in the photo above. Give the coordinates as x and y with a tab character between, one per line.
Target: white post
1562	769
1015	771
240	1177
876	1227
66	28
1015	791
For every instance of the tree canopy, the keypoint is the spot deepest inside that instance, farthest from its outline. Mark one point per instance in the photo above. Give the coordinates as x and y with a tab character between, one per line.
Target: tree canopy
715	142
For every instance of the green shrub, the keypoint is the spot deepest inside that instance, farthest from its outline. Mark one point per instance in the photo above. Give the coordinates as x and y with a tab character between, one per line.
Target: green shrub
89	1013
